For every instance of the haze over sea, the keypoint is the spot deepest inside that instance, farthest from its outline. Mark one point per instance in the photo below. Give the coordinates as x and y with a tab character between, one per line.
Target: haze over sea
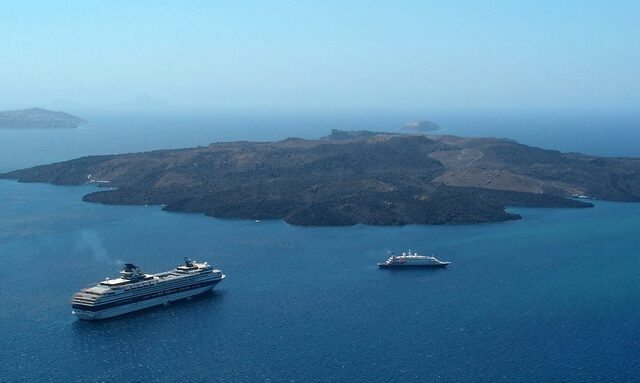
554	297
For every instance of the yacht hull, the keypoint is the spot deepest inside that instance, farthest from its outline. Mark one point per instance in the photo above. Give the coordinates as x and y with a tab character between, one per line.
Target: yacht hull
401	266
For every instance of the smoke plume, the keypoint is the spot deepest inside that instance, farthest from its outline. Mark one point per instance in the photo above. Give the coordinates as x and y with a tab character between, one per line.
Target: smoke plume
90	243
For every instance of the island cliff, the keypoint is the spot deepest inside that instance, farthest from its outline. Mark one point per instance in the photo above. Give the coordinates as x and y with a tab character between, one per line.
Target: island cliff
351	177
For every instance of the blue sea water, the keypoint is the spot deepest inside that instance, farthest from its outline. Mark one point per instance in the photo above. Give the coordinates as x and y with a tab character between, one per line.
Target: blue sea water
554	297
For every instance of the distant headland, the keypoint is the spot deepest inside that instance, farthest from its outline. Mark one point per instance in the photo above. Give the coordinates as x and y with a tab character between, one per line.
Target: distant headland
348	178
38	118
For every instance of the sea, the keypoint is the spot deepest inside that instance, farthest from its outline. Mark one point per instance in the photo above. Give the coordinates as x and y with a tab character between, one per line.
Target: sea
553	297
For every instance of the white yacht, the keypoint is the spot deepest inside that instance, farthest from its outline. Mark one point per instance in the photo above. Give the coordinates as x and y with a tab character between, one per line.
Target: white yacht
135	290
412	260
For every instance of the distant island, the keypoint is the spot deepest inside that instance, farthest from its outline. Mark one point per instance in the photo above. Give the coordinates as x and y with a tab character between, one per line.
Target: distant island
38	118
422	126
348	178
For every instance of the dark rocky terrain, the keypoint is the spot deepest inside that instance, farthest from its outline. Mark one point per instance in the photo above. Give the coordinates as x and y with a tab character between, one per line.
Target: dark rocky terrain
351	177
37	118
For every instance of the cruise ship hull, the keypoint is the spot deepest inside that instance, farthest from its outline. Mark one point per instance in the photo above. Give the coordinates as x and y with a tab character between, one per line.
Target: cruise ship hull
140	305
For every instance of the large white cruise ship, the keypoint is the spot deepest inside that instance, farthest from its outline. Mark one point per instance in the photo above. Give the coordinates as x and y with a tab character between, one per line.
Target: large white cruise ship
134	290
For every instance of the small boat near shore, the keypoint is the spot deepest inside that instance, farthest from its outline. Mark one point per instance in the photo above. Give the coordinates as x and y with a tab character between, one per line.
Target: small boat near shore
410	259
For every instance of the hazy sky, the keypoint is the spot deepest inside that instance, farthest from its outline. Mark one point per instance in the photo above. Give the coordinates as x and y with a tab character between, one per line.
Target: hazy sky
323	54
